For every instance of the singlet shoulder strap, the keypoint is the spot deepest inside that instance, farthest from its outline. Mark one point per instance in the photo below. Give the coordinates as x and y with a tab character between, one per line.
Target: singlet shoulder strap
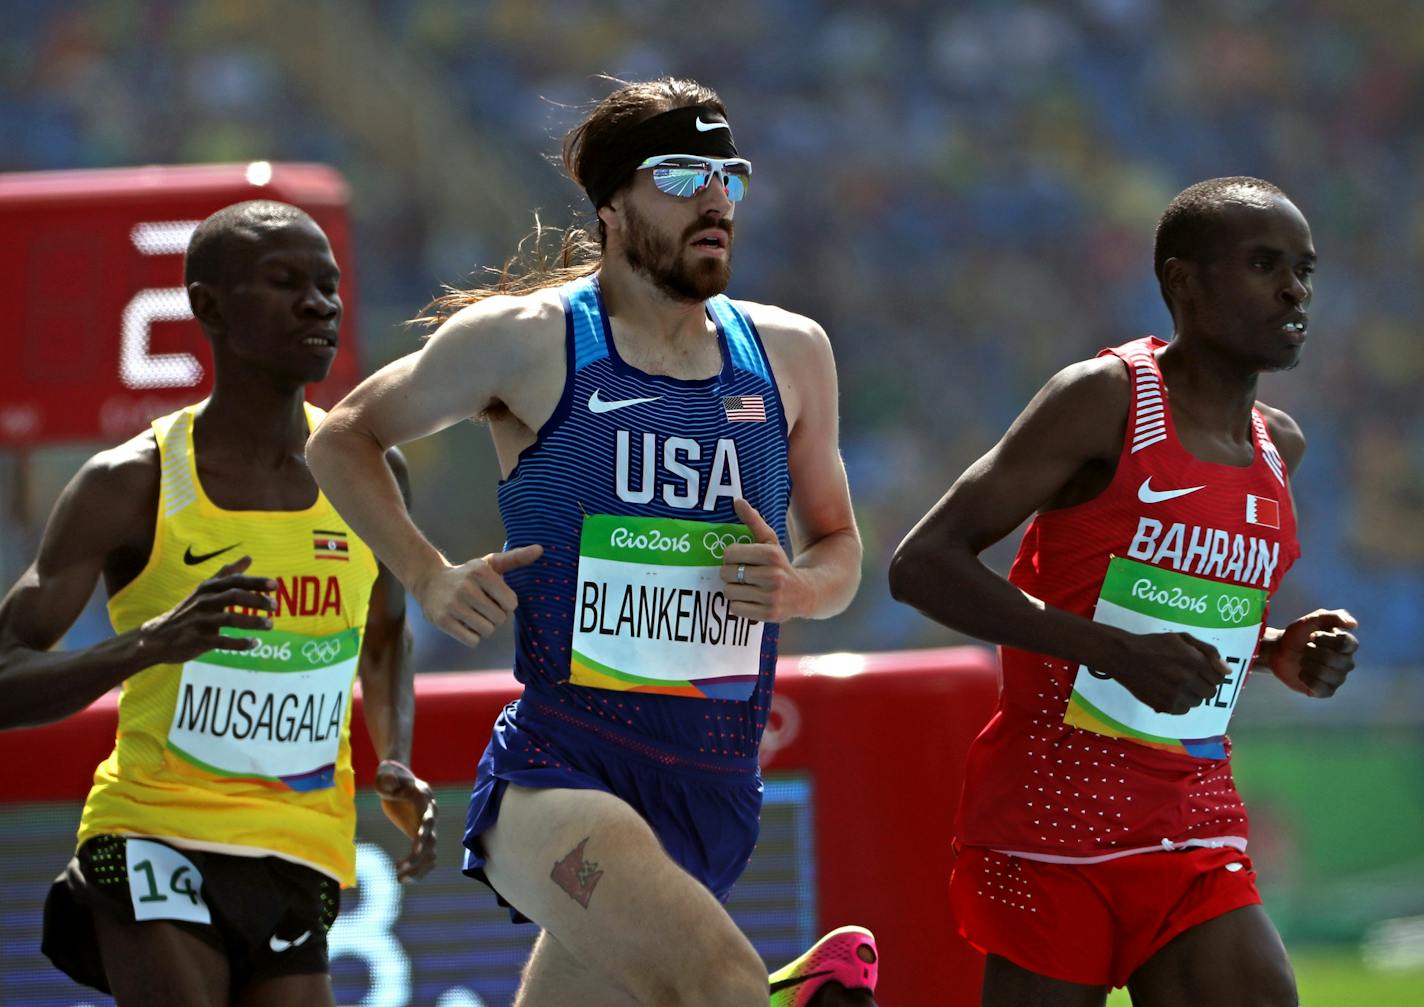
583	309
1269	454
743	344
1148	421
178	489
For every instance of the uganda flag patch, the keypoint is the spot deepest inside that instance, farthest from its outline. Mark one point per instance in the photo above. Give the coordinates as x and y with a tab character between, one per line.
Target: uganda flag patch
330	545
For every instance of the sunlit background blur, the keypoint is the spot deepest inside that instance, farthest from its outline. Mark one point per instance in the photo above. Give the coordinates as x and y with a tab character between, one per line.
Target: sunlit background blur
964	196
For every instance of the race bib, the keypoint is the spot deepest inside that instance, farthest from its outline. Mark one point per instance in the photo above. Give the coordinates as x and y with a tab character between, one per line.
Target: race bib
651	615
271	713
1144	599
163	884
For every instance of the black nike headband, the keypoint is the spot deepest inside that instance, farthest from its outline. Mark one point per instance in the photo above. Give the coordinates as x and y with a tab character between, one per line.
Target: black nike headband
696	129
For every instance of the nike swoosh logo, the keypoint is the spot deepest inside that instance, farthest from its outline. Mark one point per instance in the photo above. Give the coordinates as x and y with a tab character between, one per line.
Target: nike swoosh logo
278	945
602	405
1147	494
786	984
703	127
192	560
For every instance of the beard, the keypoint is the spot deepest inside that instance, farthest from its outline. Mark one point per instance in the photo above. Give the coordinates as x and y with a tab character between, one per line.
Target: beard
665	262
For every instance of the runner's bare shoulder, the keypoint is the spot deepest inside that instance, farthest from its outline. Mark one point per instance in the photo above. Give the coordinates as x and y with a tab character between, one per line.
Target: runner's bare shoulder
800	355
785	332
112	501
1085	403
502	354
518	328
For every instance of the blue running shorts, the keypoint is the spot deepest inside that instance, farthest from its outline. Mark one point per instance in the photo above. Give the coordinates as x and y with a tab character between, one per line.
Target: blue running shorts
705	809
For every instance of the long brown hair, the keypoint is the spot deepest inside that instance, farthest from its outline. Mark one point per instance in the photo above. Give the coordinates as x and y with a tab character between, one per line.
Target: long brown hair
550	256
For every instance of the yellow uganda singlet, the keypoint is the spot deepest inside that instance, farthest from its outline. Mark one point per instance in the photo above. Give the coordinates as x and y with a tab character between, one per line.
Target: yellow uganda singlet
237	752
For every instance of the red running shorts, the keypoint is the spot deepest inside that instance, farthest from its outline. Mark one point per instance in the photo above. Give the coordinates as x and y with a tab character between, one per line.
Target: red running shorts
1094	924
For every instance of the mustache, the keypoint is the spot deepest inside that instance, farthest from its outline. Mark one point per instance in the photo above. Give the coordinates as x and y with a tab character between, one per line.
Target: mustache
707	224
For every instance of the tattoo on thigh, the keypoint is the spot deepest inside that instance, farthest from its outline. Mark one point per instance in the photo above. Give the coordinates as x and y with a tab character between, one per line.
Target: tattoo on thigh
577	876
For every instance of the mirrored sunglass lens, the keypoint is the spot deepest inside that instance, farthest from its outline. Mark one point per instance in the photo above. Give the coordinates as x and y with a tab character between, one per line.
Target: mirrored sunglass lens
686	182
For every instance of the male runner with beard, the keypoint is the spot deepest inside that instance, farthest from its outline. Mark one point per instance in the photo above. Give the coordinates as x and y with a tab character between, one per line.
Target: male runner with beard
217	834
650	433
1102	840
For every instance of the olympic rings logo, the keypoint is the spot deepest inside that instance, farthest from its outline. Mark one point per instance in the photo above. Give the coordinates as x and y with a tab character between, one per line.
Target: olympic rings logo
1233	610
717	544
321	651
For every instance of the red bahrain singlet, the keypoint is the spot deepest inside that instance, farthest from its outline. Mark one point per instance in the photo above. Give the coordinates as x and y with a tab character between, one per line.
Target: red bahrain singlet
1072	767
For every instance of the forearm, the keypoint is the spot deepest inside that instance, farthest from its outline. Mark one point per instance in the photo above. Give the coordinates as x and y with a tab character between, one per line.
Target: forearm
43	686
351	469
956	589
1269	659
829	569
388	699
1267	651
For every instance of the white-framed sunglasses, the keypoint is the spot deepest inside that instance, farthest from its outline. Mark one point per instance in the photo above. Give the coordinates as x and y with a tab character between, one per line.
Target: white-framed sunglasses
686	175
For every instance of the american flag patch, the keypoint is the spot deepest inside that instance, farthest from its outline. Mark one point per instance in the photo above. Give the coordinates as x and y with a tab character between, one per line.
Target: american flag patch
1263	511
744	408
329	545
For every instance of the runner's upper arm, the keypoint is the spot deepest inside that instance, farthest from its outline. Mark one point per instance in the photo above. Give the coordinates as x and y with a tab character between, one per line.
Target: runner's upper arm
1076	418
466	366
385	619
805	369
108	506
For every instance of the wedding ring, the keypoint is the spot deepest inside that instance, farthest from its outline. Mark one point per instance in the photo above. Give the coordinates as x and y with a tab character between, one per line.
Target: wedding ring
741	573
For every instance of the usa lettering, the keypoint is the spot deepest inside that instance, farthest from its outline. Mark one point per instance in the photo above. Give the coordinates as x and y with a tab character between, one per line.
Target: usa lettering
660	613
1206	552
669	467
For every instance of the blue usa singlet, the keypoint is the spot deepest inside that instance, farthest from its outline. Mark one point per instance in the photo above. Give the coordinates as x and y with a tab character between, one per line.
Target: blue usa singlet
622	630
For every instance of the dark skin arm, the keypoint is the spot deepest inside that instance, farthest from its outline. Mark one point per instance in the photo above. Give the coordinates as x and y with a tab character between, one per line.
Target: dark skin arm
388	696
1062	450
1315	653
103	524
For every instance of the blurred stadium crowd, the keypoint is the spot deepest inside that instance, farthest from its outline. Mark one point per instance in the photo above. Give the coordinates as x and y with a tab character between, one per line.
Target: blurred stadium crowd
963	194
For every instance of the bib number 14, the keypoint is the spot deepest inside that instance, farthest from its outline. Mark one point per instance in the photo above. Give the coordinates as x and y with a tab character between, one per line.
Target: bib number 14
164	884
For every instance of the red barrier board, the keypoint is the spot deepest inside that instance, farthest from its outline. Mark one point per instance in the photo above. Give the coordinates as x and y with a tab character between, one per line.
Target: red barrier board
881	738
97	332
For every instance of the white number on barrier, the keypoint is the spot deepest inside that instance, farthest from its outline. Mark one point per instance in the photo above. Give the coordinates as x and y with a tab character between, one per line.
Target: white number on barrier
138	368
368	932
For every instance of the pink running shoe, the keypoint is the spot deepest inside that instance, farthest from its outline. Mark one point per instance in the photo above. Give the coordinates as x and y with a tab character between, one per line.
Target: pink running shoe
847	956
